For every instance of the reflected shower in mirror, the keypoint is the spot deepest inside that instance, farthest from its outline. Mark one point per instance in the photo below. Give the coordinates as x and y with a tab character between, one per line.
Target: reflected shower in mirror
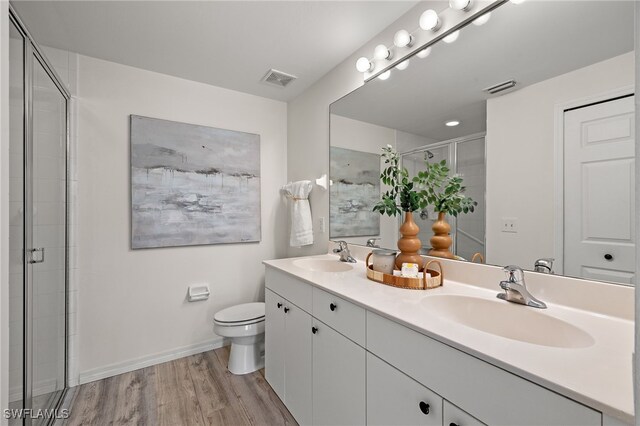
535	109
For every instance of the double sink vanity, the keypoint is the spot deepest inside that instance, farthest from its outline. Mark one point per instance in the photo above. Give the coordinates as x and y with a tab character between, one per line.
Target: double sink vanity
341	349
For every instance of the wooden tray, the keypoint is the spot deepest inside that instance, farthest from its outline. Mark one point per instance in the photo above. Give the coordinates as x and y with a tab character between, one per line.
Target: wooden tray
436	279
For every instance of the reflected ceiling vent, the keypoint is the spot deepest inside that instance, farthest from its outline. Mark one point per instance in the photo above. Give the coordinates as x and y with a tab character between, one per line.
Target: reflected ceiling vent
500	87
278	78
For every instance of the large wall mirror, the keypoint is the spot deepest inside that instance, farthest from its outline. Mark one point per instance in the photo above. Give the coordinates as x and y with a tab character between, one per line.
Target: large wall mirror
548	153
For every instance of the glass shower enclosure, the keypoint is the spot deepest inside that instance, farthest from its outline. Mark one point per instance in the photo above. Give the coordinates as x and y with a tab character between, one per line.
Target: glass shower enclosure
465	156
39	123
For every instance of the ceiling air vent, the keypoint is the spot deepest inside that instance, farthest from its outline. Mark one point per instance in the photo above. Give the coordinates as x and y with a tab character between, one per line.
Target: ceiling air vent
500	87
278	78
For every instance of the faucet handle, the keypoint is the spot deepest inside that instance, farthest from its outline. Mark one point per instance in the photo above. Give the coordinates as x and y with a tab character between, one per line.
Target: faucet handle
342	245
515	274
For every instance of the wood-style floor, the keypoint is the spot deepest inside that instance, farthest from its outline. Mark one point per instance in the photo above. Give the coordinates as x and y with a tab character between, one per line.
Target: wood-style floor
197	390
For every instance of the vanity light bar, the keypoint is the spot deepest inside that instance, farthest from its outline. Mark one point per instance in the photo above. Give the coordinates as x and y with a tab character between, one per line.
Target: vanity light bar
500	87
429	21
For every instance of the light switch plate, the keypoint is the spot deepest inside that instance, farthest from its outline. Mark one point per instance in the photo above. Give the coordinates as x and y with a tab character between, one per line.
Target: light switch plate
509	224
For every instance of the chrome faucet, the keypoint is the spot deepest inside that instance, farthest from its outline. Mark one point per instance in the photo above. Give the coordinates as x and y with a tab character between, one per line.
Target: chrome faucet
544	265
371	242
343	251
515	290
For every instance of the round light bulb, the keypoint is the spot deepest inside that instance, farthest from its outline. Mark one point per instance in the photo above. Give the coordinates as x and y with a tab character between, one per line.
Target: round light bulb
424	52
381	52
385	75
452	37
403	65
482	19
403	39
460	4
429	20
363	65
452	123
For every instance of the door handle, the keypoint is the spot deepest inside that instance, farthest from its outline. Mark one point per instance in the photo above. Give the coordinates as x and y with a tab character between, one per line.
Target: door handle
34	258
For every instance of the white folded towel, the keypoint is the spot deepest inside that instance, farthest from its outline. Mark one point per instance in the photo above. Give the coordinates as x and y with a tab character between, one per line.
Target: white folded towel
301	222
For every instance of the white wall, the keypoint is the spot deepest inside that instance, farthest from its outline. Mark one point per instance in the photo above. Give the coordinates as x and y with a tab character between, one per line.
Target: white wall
4	207
521	125
132	310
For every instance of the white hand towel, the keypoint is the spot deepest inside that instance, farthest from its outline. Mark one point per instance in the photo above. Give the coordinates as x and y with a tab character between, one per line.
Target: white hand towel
301	222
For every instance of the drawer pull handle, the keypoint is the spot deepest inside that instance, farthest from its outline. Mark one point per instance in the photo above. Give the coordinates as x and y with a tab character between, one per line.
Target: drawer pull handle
314	330
424	407
333	306
608	256
286	310
453	424
279	305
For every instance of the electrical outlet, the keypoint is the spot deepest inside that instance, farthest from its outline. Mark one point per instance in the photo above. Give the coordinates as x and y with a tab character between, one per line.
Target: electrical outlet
510	224
321	227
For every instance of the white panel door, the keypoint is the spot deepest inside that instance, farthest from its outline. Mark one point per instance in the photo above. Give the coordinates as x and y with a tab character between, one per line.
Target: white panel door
297	363
274	342
599	187
339	382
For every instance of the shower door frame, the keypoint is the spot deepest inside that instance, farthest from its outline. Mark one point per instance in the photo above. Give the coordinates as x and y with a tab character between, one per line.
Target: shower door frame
32	52
452	144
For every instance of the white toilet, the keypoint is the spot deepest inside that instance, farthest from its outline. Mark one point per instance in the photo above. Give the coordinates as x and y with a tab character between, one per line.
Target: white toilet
244	325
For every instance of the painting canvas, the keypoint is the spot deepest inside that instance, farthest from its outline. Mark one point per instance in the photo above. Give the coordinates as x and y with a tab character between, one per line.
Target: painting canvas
193	185
355	189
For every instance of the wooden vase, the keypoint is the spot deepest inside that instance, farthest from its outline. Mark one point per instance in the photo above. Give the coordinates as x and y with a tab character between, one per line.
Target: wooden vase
441	240
409	244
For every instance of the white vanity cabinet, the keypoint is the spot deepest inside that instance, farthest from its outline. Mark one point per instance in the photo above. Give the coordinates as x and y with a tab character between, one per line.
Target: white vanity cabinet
317	372
333	362
288	354
395	398
339	375
454	416
486	392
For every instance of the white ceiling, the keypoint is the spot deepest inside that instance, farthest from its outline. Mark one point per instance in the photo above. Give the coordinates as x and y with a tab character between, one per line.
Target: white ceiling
529	42
229	44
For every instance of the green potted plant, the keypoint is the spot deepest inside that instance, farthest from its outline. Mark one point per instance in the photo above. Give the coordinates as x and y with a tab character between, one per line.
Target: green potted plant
446	194
433	186
402	196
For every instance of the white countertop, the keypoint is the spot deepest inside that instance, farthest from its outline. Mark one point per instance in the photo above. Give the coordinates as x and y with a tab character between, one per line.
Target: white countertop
599	376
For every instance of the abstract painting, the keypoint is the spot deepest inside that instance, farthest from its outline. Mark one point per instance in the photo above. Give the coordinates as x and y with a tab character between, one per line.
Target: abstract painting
355	189
192	185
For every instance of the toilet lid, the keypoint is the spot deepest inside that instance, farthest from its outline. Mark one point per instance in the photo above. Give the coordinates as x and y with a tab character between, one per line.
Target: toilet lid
240	313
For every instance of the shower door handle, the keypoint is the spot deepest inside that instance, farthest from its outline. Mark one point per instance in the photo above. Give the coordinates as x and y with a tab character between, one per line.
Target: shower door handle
34	257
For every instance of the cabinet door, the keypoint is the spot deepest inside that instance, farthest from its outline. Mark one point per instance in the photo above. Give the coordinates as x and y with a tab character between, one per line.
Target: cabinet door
297	362
338	378
394	398
454	416
274	342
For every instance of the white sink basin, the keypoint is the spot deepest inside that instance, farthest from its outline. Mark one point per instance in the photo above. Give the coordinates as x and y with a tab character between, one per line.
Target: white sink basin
509	320
322	265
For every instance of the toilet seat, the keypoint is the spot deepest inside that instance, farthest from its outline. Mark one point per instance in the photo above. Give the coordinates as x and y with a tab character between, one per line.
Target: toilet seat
240	315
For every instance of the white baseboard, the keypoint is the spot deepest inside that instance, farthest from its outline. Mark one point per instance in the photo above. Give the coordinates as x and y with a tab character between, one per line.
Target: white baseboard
148	361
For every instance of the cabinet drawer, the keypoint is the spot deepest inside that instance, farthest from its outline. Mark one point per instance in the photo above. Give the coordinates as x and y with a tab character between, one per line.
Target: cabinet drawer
453	416
394	398
481	388
343	316
296	291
